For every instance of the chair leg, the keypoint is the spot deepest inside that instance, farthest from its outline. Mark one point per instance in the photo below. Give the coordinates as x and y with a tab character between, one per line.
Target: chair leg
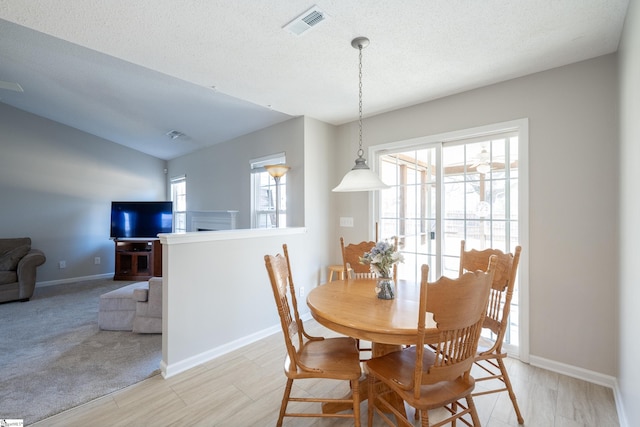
472	409
383	405
512	395
454	411
371	397
355	395
425	417
285	400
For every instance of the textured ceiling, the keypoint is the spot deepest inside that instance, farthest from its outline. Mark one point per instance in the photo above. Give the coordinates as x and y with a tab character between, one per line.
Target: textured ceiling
132	71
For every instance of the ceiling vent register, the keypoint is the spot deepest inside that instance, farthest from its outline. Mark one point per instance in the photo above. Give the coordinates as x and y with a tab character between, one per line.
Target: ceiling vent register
11	86
174	134
306	21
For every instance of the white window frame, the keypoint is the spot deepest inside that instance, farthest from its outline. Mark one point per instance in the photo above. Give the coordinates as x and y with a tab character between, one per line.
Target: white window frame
258	170
179	215
521	126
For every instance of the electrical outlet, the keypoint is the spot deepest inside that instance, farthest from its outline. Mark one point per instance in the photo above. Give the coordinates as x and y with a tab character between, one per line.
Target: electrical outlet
62	264
96	260
346	221
301	291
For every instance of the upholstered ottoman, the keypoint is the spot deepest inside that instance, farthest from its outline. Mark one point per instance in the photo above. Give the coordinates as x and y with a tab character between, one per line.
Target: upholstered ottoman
118	308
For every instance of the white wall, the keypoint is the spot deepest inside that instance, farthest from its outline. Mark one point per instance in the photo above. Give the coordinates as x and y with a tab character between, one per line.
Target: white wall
56	186
629	314
218	177
573	169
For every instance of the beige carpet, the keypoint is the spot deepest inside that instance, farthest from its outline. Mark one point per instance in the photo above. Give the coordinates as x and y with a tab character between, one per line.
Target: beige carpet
53	355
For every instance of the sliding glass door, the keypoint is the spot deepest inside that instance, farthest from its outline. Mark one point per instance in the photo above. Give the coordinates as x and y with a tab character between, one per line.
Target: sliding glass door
443	192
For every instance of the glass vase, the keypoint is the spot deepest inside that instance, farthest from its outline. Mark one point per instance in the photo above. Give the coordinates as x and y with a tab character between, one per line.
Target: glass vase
384	288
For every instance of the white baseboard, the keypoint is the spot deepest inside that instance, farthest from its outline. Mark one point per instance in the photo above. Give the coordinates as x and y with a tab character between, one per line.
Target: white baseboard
573	371
73	280
622	417
585	375
169	370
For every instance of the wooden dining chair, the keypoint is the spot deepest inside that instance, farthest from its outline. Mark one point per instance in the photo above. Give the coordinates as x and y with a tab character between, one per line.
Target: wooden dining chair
310	357
351	254
490	357
427	378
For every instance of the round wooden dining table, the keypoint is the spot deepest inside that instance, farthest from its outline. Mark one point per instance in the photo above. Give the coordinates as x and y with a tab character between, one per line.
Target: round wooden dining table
351	307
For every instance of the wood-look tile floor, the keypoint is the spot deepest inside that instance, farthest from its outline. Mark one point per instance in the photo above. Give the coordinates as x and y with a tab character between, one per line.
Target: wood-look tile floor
244	388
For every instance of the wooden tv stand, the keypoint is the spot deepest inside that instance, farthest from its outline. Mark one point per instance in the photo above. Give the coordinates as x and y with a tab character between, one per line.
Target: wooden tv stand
138	259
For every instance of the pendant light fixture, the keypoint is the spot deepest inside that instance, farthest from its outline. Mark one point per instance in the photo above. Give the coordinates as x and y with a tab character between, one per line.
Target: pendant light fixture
360	177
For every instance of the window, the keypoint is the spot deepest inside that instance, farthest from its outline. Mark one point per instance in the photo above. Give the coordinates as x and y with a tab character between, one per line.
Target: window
443	191
179	199
263	193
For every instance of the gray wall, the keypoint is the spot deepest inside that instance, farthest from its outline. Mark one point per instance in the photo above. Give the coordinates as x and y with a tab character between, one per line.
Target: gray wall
56	186
218	296
319	221
628	312
218	290
218	178
573	174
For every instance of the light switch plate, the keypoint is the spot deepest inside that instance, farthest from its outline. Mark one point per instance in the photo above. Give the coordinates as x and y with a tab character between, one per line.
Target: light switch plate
346	221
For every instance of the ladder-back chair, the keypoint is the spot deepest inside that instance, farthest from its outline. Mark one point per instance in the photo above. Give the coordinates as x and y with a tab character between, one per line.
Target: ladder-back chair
351	254
490	357
438	374
310	357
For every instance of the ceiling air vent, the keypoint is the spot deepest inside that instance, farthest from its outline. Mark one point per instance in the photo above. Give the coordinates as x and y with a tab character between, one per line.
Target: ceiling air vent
11	86
306	21
174	134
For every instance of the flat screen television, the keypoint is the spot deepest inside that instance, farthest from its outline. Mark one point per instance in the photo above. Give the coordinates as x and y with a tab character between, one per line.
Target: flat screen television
141	219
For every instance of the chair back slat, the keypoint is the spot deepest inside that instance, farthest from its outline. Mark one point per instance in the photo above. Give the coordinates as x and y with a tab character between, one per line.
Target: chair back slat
455	355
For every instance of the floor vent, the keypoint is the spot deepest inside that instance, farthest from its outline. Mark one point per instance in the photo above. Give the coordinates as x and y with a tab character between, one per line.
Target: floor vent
306	21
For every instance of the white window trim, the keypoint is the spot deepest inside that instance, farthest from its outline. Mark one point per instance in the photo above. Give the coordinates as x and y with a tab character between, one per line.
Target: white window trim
257	165
522	127
173	180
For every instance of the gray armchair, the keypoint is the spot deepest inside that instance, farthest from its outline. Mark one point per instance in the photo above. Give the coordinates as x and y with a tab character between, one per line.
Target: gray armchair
18	263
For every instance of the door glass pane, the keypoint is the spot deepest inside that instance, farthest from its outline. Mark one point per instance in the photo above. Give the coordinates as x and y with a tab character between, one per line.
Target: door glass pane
408	208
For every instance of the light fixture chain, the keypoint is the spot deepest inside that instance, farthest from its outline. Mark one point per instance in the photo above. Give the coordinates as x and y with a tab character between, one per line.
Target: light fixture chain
360	151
